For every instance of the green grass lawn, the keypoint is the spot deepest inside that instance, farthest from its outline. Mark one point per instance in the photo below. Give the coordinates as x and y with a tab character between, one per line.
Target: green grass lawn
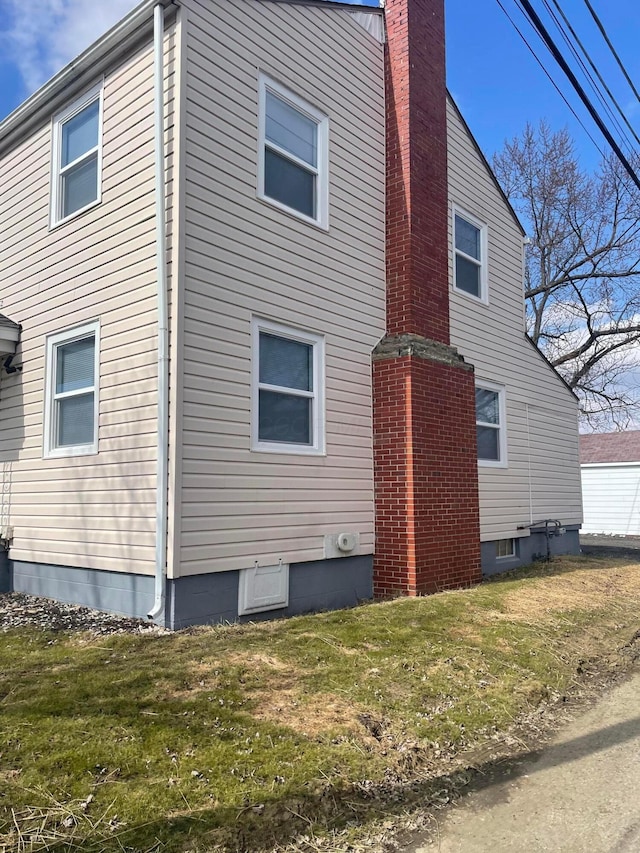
244	737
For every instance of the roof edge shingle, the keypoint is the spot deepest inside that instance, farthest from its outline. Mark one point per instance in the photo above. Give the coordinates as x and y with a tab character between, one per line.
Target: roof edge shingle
610	447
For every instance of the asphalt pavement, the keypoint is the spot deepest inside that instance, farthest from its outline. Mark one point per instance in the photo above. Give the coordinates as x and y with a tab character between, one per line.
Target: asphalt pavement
604	545
581	794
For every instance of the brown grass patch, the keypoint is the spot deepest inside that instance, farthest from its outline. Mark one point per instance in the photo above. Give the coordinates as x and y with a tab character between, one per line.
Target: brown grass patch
280	699
202	676
206	675
465	632
576	589
311	715
259	659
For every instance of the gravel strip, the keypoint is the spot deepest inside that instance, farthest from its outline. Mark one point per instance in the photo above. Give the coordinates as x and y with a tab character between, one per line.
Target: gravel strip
20	611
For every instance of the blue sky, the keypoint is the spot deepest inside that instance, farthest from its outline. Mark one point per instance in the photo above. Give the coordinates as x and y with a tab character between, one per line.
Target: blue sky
491	74
499	86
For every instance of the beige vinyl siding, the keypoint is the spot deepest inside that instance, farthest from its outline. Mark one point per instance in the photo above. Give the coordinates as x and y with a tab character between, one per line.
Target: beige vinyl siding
542	479
95	511
245	258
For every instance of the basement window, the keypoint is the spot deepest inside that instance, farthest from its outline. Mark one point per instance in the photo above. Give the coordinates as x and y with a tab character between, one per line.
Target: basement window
505	548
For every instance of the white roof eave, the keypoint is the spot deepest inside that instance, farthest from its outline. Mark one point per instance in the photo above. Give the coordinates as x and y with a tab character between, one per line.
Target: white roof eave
86	67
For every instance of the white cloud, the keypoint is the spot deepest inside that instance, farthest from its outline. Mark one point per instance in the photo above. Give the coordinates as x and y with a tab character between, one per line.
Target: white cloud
41	36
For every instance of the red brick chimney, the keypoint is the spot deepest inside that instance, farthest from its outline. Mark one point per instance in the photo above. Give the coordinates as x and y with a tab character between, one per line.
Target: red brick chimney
426	473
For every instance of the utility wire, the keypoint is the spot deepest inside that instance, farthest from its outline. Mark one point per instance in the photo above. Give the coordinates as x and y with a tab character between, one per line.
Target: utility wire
613	118
595	69
611	48
589	78
551	80
540	27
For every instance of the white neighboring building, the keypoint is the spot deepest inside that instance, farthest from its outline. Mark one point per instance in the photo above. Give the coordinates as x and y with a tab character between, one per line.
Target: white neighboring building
610	465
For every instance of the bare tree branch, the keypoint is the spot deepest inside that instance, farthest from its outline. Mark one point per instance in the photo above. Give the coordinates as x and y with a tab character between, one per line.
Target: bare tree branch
582	276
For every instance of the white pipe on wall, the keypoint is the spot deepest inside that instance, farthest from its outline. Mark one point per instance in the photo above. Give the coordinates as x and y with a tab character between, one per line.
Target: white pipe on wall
157	611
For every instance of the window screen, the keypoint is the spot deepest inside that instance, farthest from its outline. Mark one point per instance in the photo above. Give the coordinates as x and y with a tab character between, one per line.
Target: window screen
468	256
285	390
488	424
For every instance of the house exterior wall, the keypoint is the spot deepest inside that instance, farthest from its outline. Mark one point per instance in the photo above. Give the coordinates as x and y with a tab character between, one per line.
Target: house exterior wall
611	495
90	512
542	476
84	526
244	258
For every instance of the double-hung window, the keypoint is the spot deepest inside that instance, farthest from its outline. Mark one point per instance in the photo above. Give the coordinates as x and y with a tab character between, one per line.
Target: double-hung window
76	151
288	389
293	153
470	255
491	425
71	414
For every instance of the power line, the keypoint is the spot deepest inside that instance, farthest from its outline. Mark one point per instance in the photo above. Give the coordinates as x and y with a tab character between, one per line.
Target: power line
540	27
595	70
551	80
600	26
589	77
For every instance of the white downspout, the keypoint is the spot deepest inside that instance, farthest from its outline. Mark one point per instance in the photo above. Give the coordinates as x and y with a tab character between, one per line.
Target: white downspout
526	408
157	612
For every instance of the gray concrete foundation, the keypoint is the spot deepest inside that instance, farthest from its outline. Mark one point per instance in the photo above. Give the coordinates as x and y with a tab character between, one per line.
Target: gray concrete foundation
213	598
313	586
529	549
196	599
114	592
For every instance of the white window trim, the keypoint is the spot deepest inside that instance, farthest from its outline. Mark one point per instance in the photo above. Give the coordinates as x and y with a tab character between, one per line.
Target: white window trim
94	94
502	429
265	84
484	241
50	451
513	553
317	448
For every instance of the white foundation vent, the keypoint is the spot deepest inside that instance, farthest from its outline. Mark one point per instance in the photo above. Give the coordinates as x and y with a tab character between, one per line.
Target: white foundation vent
263	588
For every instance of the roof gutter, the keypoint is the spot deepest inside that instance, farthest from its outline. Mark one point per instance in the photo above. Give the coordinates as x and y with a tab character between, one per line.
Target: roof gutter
78	73
157	612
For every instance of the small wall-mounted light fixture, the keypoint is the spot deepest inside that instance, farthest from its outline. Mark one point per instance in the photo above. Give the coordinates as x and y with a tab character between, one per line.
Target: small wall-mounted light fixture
9	337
